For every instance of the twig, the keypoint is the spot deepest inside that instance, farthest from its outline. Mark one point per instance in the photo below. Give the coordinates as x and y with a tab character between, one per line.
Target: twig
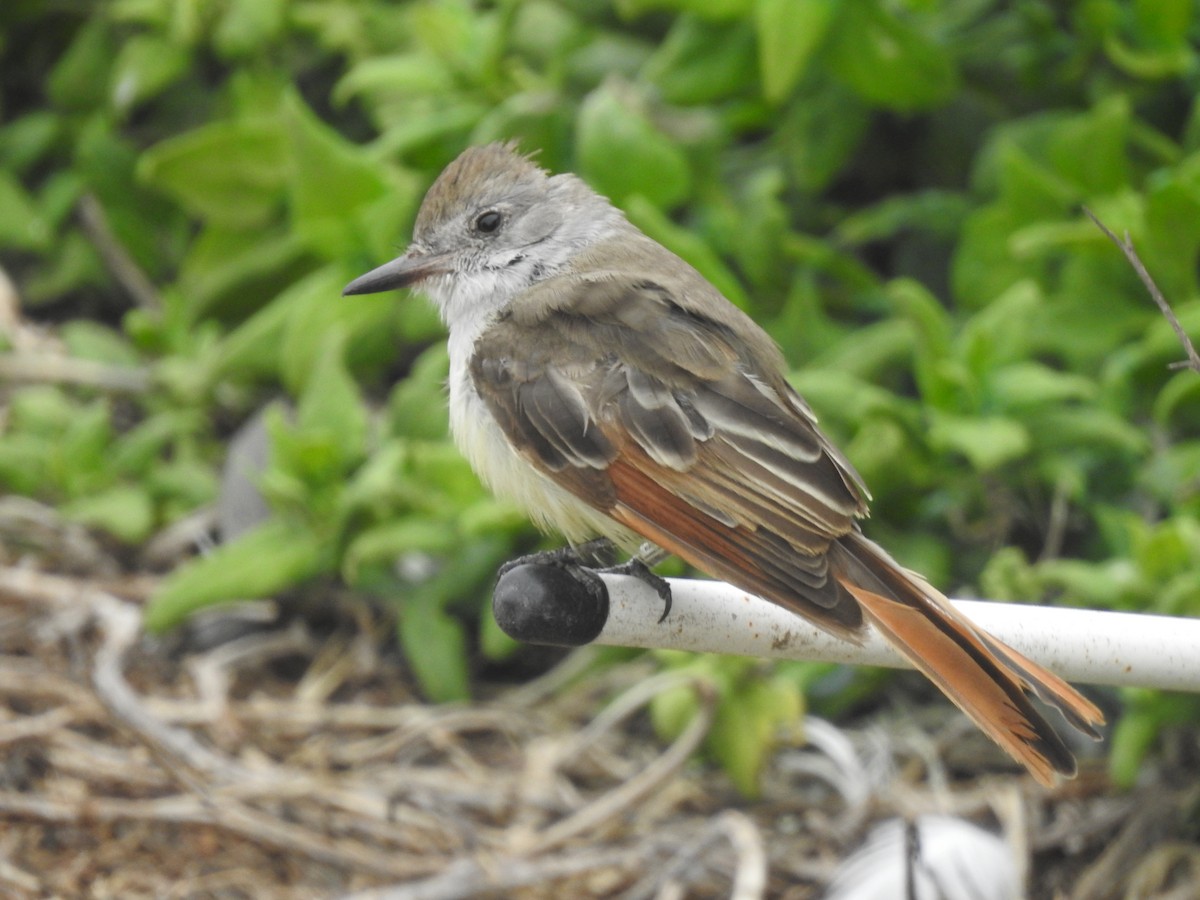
28	727
615	801
116	258
43	367
499	875
18	879
122	625
749	878
188	810
1126	246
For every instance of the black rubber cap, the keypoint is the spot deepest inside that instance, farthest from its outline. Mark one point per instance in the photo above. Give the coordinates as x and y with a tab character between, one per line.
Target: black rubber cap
548	604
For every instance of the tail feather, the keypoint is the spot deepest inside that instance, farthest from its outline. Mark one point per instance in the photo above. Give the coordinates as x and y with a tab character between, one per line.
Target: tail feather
988	680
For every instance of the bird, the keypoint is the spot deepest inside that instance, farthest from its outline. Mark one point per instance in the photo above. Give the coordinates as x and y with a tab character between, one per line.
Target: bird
603	385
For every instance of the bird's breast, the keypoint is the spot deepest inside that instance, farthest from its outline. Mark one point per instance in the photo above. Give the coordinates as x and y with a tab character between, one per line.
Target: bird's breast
510	476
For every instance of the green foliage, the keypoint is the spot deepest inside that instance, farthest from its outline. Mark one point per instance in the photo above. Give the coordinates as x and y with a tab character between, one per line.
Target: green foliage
755	711
893	189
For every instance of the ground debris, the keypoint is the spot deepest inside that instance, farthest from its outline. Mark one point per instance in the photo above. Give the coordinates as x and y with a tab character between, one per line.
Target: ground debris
141	767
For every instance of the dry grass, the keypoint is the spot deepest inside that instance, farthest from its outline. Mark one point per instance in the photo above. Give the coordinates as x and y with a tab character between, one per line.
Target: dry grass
267	760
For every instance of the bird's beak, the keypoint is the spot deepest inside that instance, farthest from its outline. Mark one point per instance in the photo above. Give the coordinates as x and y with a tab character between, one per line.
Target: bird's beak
402	271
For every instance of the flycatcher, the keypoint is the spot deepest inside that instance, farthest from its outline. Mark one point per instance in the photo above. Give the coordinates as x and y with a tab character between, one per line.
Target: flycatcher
601	383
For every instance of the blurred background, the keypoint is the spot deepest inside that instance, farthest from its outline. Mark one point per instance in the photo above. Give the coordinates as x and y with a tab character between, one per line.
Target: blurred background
893	188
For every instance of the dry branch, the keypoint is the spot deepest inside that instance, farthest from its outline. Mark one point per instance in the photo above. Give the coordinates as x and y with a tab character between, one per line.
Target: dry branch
1126	246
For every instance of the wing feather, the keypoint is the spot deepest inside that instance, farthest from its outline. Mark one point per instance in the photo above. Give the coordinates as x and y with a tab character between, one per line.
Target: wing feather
679	428
690	442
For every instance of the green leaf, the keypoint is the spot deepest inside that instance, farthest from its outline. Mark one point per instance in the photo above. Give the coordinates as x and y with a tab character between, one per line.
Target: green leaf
1172	233
819	132
1091	429
229	273
41	409
316	308
942	378
621	153
1027	384
26	139
146	65
331	180
999	333
987	442
433	641
494	644
673	709
745	727
1115	584
789	33
715	10
232	173
464	36
22	226
124	511
86	339
435	647
253	348
81	453
416	407
489	516
1180	393
701	61
1147	714
79	79
940	212
137	449
887	61
394	76
1155	63
331	405
388	542
247	26
1169	548
273	557
1164	22
1091	150
24	465
180	486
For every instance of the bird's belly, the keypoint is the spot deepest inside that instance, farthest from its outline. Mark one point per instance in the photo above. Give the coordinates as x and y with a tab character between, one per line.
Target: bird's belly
511	477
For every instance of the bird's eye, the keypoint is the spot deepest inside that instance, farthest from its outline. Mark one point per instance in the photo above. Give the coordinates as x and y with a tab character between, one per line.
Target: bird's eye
487	222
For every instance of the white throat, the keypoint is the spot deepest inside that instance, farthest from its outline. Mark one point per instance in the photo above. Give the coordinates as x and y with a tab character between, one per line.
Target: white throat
480	287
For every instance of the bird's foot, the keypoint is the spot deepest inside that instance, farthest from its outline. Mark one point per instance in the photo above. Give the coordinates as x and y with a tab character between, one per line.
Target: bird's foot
578	561
638	569
588	561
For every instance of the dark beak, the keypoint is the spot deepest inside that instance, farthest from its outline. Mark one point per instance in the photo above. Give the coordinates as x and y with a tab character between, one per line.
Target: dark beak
402	271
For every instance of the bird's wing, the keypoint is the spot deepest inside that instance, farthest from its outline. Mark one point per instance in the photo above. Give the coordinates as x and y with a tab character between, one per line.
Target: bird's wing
677	428
681	429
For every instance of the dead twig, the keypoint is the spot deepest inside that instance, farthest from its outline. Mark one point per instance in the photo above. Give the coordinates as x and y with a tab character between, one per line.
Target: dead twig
612	803
749	876
1126	246
38	368
94	221
499	875
190	810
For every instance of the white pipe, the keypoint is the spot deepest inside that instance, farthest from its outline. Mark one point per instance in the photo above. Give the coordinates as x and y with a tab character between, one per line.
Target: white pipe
1078	644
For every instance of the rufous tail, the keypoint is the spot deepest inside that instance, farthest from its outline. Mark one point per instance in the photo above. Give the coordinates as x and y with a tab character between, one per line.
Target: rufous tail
988	680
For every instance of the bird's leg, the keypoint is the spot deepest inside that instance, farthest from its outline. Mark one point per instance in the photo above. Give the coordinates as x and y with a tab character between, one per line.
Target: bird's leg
597	552
639	566
586	562
579	561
